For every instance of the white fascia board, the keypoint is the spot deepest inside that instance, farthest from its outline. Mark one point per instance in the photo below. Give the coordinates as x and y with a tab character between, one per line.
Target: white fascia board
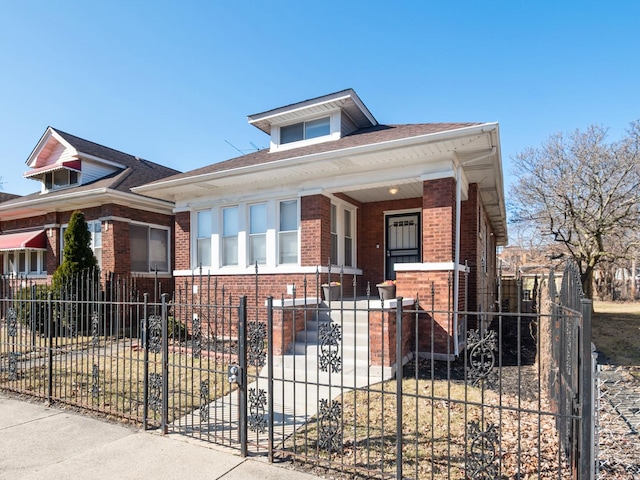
390	144
304	105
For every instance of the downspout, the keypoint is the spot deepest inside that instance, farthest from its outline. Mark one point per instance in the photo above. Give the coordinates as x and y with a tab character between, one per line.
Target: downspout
456	261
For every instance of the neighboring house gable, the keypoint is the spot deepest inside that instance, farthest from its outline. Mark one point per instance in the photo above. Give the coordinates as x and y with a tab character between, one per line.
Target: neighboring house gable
131	233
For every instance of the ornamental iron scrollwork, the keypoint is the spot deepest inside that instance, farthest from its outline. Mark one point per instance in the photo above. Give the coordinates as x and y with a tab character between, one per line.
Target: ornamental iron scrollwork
256	336
482	359
482	459
330	336
196	337
204	401
12	322
155	391
13	365
95	381
95	329
155	333
329	425
256	420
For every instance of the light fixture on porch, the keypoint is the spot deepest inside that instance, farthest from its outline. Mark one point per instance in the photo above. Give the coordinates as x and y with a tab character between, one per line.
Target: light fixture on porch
393	190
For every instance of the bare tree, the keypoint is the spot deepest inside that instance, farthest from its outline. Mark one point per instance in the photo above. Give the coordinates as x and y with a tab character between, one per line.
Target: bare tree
583	192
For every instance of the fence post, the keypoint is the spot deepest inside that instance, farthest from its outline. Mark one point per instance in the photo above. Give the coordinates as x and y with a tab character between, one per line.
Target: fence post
165	365
49	347
399	413
587	436
145	345
242	383
270	373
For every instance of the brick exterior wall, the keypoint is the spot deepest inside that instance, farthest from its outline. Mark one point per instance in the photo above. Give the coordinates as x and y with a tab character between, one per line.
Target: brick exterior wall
115	237
438	220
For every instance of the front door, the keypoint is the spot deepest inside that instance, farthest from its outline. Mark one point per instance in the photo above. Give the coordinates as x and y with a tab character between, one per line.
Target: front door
402	241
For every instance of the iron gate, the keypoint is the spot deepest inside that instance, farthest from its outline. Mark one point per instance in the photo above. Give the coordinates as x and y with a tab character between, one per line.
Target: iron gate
315	380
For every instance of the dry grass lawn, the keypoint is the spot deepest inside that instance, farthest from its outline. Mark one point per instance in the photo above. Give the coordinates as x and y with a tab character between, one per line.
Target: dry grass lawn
616	332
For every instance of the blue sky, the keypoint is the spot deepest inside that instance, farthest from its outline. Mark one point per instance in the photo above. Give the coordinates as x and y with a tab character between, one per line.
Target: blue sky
173	82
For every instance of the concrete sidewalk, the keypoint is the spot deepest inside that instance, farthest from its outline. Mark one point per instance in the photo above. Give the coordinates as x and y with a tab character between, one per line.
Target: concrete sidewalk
40	442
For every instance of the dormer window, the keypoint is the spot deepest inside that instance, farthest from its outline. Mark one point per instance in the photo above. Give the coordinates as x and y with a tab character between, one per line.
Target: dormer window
305	130
60	179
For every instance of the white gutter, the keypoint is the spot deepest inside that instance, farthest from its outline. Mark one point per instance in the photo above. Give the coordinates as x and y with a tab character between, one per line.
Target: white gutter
456	261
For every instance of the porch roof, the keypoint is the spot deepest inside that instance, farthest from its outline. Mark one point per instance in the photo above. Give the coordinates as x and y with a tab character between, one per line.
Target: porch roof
35	240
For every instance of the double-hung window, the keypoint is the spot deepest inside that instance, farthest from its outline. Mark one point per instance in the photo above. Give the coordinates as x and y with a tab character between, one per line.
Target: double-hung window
288	232
258	234
205	229
342	241
230	229
149	247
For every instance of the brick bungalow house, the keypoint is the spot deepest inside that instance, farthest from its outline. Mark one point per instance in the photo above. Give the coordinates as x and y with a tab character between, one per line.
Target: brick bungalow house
411	203
131	233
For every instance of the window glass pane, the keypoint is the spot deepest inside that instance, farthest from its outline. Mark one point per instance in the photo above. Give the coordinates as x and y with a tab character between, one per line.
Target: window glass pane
258	247
288	247
11	260
348	252
73	177
204	252
138	240
292	133
317	128
97	252
44	262
205	224
33	262
96	234
230	250
158	250
230	222
60	178
48	182
288	215
258	218
22	262
347	223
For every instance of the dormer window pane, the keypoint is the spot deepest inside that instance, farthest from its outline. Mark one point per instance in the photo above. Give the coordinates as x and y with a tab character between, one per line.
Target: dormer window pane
292	133
317	128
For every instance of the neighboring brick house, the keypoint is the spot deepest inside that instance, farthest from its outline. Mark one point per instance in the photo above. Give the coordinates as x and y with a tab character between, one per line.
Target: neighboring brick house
131	233
406	202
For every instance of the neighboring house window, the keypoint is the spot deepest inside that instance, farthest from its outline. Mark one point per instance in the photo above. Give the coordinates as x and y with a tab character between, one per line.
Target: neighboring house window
258	234
288	232
149	248
60	178
230	230
342	241
205	229
24	262
95	229
305	130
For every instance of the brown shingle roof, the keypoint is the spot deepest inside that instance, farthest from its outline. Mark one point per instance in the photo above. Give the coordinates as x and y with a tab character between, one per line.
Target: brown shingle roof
361	137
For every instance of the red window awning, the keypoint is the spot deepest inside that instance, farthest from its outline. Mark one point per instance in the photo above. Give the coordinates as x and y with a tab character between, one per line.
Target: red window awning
69	165
20	241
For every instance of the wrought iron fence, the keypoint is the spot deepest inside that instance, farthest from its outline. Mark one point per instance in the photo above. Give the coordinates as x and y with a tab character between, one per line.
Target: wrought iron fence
352	385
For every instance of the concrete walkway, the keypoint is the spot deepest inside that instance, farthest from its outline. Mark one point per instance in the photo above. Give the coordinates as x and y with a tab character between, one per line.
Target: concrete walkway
46	442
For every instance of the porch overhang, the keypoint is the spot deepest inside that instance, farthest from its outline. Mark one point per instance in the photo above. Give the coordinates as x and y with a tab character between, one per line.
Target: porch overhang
22	241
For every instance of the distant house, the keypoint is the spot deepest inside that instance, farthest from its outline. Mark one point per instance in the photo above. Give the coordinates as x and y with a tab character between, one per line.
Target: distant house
131	233
337	191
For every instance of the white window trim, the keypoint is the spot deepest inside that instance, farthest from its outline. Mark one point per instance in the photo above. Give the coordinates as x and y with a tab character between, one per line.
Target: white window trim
334	132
